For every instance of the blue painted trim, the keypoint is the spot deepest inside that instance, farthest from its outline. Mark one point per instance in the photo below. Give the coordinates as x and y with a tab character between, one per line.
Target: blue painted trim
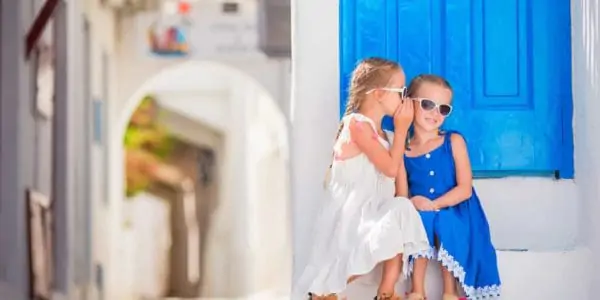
567	167
504	174
345	51
341	65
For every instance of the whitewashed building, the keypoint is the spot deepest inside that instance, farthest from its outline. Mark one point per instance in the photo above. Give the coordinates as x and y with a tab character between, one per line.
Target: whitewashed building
231	93
229	88
43	157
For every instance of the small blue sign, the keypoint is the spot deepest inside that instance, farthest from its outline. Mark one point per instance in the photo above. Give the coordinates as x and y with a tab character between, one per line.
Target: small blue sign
97	119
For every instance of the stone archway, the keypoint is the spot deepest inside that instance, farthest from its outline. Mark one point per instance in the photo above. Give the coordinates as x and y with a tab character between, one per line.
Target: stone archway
253	127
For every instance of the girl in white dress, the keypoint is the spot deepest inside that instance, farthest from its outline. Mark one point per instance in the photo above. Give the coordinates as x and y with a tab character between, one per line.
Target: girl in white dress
364	223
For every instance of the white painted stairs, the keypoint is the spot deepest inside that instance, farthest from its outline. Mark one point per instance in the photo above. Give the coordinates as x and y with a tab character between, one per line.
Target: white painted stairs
526	275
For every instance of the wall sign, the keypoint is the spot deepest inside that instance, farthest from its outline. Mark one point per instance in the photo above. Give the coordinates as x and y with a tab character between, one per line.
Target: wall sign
169	41
203	29
168	35
98	113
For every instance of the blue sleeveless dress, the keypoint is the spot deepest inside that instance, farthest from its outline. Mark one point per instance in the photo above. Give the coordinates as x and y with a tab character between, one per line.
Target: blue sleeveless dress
462	231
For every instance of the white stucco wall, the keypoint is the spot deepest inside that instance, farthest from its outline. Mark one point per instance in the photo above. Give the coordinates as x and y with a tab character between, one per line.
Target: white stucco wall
268	235
537	214
314	112
586	94
102	39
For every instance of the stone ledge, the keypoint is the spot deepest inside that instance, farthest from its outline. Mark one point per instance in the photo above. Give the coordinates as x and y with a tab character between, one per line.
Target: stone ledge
526	275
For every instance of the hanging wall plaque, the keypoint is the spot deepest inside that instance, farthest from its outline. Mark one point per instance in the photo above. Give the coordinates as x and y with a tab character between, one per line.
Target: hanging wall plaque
169	34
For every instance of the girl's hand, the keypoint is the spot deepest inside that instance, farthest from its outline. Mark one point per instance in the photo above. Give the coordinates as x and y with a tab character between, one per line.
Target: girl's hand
423	203
404	115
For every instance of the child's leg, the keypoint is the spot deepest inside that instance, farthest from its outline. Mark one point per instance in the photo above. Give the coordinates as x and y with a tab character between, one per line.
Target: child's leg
418	277
449	282
391	273
447	277
419	267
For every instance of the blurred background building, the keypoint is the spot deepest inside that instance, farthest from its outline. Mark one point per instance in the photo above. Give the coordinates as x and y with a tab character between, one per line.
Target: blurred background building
145	147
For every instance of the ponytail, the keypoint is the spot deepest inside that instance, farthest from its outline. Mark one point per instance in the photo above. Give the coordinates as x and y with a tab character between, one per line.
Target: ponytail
350	108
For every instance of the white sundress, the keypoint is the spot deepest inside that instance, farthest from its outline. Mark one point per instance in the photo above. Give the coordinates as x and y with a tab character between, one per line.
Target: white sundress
360	225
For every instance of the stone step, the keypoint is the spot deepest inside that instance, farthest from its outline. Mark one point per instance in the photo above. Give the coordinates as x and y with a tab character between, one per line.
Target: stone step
541	202
526	275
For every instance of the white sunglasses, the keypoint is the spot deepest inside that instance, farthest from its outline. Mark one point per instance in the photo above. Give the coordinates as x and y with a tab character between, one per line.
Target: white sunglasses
429	105
401	91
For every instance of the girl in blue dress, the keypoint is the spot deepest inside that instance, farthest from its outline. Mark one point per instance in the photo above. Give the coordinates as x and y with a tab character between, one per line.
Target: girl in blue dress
439	182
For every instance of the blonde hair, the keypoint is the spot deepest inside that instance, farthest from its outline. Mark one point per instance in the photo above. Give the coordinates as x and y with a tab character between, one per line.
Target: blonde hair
415	83
370	73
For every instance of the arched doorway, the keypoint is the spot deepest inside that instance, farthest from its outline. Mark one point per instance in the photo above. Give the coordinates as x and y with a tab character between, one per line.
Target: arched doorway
247	239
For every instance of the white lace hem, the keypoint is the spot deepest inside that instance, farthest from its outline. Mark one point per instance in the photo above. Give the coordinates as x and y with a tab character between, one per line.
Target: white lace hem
448	261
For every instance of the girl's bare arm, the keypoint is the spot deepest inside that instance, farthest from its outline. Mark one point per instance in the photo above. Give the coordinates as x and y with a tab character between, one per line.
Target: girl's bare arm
367	141
401	182
464	175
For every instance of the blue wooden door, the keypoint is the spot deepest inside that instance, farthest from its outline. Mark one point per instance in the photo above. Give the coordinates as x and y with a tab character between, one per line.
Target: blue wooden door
509	63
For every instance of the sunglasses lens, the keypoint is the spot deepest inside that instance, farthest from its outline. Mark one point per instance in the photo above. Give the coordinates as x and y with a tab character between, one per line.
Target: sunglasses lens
427	104
445	109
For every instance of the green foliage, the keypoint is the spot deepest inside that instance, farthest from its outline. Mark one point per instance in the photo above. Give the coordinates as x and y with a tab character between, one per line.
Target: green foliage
146	144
